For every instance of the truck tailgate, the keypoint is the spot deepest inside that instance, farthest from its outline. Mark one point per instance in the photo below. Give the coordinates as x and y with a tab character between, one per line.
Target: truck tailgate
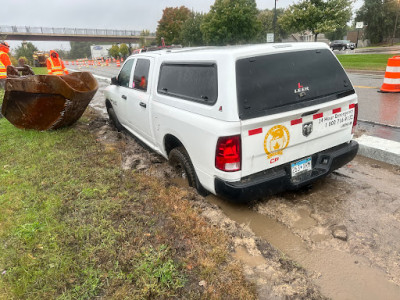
295	135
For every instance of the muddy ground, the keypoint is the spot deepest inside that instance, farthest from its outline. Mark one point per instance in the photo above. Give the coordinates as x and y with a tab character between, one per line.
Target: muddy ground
339	239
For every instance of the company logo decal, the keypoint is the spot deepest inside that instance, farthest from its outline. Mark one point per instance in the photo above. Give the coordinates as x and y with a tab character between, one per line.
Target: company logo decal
276	140
301	90
307	128
97	47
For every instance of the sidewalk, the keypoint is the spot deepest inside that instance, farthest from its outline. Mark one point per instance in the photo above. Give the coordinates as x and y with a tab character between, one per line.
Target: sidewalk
390	49
379	149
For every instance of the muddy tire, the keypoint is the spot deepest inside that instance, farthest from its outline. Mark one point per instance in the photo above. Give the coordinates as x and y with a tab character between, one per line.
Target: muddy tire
113	118
179	159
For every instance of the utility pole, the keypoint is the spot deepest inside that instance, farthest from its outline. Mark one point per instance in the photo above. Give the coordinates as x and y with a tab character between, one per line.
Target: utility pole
274	25
395	23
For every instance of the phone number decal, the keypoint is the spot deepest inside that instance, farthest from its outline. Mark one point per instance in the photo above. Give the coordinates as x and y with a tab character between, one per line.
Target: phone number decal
341	119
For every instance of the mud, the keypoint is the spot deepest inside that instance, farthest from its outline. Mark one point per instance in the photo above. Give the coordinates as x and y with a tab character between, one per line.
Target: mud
340	239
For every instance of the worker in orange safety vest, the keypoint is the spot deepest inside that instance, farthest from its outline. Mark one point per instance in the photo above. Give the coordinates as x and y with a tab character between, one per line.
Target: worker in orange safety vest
4	62
55	65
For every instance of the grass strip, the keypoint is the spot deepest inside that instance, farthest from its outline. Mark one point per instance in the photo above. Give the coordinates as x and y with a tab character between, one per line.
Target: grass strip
74	225
373	62
40	70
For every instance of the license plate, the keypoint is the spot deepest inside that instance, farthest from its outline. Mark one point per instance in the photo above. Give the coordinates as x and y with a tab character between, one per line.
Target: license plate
301	166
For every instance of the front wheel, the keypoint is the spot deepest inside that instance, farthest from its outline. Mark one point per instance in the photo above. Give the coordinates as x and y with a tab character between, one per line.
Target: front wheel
343	48
113	118
179	159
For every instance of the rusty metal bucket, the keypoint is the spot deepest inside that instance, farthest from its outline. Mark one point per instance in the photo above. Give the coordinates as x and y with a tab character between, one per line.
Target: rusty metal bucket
45	102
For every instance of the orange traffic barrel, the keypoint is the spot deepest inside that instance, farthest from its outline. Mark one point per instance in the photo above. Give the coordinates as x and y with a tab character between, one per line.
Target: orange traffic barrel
118	63
391	82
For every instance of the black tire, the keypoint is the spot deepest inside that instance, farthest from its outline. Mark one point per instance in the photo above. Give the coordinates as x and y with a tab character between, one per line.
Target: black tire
179	159
113	118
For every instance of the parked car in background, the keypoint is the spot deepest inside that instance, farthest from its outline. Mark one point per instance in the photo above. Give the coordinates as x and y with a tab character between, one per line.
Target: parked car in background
342	45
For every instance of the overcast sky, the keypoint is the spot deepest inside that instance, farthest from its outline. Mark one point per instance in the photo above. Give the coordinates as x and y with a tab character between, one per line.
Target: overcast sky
101	14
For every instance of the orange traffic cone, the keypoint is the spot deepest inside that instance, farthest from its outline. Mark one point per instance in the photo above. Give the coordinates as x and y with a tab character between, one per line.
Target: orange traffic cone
118	63
391	82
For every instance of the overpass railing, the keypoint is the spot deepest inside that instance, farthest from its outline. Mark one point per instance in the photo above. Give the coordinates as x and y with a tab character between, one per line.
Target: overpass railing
69	31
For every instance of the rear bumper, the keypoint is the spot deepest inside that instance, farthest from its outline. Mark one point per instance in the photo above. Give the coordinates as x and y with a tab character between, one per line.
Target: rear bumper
278	179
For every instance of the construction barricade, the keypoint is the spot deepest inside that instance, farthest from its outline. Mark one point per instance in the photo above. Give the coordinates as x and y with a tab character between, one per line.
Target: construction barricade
391	82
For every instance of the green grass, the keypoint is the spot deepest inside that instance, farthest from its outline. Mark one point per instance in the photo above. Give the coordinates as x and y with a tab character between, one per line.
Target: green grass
374	62
40	70
74	225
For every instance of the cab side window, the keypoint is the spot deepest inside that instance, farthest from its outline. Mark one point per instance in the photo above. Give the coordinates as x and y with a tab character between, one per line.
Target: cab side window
140	77
125	73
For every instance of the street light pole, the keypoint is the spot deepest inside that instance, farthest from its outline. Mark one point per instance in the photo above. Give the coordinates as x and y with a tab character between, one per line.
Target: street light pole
395	23
274	25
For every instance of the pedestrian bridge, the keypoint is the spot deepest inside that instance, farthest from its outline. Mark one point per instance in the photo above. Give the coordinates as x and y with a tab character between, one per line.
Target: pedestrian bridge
27	33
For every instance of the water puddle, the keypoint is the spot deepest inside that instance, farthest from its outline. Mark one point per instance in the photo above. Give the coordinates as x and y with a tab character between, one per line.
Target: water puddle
340	275
305	220
248	259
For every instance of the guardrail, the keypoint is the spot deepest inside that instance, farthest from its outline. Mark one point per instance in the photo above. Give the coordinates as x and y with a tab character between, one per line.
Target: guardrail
69	31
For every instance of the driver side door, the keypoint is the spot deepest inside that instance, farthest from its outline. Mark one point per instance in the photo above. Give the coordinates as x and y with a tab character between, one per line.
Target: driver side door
121	91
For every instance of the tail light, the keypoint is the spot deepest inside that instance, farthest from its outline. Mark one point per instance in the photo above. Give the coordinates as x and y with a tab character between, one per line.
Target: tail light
355	118
228	154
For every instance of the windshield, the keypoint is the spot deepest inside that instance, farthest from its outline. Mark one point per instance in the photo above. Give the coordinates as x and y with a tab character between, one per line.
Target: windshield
280	82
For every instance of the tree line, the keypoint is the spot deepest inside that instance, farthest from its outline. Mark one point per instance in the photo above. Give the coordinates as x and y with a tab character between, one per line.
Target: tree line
239	21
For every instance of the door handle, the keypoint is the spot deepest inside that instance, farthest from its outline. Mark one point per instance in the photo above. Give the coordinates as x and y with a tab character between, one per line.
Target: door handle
123	97
142	104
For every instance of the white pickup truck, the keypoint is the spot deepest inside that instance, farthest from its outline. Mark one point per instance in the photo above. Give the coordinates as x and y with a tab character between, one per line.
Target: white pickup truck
240	120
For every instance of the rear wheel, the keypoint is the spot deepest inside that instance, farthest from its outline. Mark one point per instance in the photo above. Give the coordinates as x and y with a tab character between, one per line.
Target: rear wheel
179	159
113	118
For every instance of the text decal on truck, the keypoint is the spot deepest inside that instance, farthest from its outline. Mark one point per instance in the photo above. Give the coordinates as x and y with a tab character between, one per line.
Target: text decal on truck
276	140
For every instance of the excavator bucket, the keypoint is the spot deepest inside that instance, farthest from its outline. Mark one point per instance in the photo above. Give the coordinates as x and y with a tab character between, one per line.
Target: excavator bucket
46	102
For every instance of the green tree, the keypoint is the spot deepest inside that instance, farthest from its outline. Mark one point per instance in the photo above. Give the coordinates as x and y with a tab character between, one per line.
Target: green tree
266	18
26	50
80	49
231	22
191	34
317	16
114	51
62	53
143	42
124	50
170	25
338	34
380	17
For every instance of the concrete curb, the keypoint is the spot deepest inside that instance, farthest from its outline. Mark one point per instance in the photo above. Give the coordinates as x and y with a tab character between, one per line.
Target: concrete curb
102	78
95	76
379	149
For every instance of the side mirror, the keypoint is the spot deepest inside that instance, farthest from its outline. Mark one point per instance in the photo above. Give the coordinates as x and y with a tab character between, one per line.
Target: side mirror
114	80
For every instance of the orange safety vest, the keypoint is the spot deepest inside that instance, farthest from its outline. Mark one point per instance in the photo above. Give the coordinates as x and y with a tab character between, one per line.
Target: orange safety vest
56	70
3	69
